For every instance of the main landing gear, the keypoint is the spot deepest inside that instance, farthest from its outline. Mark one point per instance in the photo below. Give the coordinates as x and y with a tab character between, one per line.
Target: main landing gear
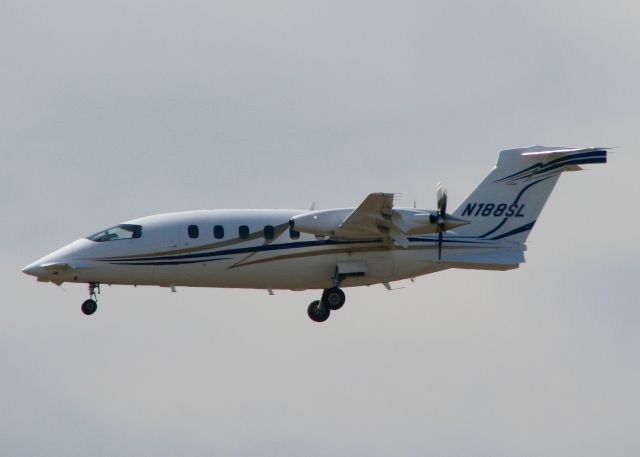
90	306
332	300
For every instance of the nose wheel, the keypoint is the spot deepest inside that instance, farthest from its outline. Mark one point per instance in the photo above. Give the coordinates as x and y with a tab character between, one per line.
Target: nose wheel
332	300
90	306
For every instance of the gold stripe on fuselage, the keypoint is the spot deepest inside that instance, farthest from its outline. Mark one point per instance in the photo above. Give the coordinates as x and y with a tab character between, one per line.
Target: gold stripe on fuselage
342	250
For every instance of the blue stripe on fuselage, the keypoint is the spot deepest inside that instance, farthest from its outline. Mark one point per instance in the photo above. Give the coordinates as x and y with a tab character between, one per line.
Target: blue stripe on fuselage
207	256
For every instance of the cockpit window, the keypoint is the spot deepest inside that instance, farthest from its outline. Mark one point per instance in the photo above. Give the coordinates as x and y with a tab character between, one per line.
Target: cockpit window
119	232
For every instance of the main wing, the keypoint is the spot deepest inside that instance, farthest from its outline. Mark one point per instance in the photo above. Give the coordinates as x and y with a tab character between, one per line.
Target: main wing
374	218
371	218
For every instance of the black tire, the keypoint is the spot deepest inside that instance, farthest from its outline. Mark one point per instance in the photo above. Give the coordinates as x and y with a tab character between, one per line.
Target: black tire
318	312
333	298
89	307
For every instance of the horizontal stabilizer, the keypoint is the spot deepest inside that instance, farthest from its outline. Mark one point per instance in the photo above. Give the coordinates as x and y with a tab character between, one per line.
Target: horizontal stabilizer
547	161
556	151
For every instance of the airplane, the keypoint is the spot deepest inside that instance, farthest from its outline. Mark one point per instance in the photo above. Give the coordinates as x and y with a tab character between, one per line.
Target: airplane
373	243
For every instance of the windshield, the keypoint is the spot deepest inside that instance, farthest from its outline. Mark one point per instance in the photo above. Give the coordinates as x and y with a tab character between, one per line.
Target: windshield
119	232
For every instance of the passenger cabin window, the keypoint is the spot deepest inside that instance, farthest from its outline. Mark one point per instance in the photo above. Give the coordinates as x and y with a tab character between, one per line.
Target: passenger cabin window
193	231
243	232
269	232
294	234
218	232
119	232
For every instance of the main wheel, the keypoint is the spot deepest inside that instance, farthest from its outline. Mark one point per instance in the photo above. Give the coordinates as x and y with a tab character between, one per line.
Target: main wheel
318	312
89	307
333	298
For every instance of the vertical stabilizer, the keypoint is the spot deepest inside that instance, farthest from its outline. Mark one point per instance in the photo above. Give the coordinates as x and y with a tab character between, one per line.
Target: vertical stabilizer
509	200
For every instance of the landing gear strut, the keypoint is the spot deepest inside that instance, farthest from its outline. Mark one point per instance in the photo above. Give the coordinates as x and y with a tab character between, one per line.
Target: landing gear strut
91	305
332	300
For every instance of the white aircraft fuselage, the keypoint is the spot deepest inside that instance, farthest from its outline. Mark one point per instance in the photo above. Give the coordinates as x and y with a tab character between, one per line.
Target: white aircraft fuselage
373	243
165	255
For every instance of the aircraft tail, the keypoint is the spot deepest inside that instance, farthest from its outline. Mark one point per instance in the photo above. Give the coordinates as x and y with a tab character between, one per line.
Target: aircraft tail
506	205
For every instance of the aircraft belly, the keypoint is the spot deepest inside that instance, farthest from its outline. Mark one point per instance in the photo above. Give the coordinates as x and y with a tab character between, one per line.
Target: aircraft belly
263	271
166	275
117	274
411	263
379	265
392	265
317	271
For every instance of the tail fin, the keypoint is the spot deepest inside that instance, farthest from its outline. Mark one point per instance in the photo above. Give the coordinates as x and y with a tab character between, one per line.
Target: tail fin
507	203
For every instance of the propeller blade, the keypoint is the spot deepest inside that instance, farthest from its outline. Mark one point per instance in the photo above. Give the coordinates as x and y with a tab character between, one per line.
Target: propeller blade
441	196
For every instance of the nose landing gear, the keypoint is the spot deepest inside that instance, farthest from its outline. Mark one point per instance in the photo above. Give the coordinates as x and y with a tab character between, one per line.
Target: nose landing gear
90	305
332	300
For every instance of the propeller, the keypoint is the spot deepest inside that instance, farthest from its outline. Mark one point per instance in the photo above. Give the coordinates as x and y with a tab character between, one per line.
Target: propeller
440	219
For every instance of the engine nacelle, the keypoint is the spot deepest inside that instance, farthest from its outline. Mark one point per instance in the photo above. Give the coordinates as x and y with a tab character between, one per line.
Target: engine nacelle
403	222
414	222
421	222
321	223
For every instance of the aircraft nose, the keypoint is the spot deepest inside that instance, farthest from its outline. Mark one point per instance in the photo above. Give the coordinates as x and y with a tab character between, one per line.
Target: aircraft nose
33	269
55	265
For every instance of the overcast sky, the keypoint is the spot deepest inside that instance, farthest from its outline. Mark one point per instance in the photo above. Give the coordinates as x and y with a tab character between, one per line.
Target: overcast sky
118	109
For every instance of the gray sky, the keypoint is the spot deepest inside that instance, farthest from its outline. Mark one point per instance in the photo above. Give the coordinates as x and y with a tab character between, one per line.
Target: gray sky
114	110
